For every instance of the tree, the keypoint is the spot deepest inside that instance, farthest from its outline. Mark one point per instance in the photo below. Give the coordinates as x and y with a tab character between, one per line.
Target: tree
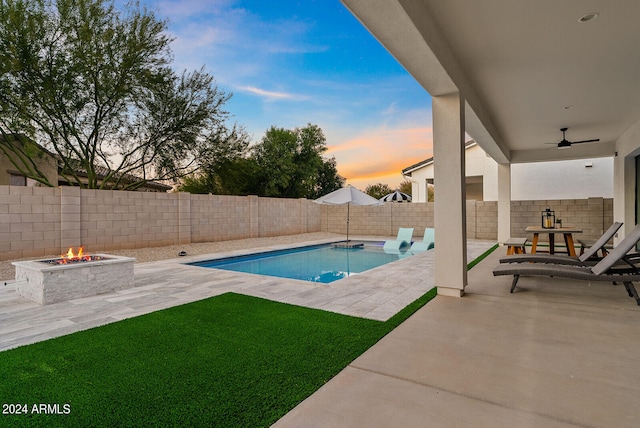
228	177
275	158
406	187
290	164
328	179
430	193
94	87
378	190
225	169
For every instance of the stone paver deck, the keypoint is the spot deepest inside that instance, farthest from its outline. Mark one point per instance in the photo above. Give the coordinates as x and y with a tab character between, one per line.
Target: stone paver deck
377	294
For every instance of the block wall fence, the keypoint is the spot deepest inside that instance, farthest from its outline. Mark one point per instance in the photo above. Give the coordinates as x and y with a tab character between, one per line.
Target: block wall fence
593	216
41	221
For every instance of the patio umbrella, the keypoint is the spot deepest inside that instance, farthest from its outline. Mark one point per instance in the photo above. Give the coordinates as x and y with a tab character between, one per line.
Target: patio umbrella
396	196
347	195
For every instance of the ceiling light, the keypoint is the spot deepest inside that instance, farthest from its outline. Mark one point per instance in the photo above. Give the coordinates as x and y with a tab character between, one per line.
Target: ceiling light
588	17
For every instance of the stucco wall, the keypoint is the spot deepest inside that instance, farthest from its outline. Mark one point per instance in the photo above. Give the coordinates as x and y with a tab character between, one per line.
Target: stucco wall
46	164
625	173
582	178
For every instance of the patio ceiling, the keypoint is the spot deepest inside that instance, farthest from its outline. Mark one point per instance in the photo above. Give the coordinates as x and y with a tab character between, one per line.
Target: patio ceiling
519	66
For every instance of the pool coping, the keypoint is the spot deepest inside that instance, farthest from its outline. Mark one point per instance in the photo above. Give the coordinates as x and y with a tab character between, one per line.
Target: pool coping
376	294
260	255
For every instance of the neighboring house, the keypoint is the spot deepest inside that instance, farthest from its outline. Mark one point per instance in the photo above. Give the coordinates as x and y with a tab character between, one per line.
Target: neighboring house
572	179
150	186
49	165
45	161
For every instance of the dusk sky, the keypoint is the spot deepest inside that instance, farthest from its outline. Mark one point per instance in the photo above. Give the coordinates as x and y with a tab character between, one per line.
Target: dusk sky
289	63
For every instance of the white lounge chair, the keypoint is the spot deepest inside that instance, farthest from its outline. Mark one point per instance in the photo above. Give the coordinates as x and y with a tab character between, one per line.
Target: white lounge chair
427	243
404	238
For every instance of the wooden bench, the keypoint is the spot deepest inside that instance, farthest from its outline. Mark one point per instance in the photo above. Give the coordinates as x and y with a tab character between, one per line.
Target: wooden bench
516	246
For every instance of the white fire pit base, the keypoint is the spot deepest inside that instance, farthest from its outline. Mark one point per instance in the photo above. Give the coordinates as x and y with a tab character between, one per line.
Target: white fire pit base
46	283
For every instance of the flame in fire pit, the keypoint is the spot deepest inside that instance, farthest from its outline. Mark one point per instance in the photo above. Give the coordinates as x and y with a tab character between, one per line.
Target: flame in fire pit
70	254
71	257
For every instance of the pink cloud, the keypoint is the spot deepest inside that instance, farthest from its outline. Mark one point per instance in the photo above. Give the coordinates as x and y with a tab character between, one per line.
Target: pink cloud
380	155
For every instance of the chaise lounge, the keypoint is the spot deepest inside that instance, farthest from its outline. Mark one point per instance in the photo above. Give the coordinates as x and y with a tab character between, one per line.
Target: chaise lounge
405	234
617	266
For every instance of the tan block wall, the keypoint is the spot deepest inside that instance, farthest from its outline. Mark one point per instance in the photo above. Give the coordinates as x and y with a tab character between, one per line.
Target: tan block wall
112	219
593	215
29	221
383	220
219	218
41	221
486	220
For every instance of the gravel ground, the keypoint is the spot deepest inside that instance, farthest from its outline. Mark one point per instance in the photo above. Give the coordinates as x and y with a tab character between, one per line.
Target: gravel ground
7	271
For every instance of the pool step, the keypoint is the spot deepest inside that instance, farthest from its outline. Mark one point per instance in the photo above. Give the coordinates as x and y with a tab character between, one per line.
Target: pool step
348	245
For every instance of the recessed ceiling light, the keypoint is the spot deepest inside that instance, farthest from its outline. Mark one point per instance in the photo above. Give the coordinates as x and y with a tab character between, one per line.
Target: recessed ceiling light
588	17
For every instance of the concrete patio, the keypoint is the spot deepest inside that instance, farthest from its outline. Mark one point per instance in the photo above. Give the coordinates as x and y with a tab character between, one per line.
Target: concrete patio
556	353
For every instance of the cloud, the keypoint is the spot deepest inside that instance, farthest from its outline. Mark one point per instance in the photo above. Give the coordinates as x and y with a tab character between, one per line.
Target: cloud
381	139
293	63
179	10
271	95
391	110
379	155
224	24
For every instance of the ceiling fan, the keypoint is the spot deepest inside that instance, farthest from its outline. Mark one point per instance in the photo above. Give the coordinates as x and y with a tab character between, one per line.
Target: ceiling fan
565	144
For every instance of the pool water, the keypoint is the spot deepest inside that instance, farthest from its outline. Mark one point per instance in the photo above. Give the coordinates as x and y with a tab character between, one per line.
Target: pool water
319	263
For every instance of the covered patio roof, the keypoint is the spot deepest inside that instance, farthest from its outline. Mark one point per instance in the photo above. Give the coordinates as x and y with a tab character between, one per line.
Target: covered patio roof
511	75
525	69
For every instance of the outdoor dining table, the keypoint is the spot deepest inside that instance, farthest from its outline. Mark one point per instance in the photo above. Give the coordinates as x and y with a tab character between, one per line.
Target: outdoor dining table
567	232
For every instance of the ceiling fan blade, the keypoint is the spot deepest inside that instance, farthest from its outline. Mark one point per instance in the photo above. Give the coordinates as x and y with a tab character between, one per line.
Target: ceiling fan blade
565	144
585	141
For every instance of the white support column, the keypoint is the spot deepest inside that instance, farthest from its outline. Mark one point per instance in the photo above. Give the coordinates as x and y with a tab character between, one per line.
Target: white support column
504	202
450	196
624	184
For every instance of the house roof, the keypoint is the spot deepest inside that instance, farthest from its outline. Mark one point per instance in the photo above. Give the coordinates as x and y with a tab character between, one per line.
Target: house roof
408	170
102	172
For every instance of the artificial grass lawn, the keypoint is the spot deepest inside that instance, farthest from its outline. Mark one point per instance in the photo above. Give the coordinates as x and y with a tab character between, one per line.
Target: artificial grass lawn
230	360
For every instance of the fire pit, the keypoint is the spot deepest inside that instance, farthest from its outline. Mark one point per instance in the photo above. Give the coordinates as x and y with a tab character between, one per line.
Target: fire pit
71	258
72	276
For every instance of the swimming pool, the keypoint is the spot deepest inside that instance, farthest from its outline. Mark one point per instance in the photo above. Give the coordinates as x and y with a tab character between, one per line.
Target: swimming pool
317	263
